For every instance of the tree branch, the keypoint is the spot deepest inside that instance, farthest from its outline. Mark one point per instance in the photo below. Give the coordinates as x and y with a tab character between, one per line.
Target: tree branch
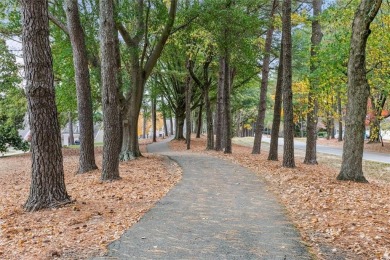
163	39
174	30
59	24
125	34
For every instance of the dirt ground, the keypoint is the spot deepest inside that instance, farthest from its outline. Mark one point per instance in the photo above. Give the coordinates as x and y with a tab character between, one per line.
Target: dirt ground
337	220
101	212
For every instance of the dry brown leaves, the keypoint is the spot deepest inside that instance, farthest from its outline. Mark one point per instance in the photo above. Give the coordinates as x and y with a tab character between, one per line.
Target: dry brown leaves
100	214
343	219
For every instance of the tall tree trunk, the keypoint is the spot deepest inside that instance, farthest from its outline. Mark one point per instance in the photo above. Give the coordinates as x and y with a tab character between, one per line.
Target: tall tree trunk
312	116
199	121
111	122
180	117
358	91
171	123
219	115
121	99
340	137
83	87
125	133
227	131
238	121
209	119
264	83
164	114
188	112
328	125
144	122
71	134
47	189
332	132
154	119
288	152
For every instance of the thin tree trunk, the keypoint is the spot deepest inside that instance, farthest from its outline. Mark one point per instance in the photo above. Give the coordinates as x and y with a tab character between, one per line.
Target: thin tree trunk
264	83
171	123
238	121
332	132
219	115
209	119
83	88
340	137
154	119
164	114
188	112
227	131
288	151
144	121
199	121
123	109
71	134
47	189
358	91
312	116
111	118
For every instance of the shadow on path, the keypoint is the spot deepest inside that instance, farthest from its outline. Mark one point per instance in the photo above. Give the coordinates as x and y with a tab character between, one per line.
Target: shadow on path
217	211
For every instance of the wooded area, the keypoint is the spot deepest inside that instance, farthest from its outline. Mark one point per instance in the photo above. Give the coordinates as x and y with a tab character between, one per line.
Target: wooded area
178	58
221	68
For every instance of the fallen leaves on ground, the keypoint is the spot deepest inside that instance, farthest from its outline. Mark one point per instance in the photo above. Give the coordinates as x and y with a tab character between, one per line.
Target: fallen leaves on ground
337	220
102	211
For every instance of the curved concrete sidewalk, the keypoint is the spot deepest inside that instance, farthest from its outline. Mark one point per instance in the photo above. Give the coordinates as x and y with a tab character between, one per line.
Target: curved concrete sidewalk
218	211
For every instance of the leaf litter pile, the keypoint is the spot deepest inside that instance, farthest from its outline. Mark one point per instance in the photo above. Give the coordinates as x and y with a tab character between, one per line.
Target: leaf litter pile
337	220
101	211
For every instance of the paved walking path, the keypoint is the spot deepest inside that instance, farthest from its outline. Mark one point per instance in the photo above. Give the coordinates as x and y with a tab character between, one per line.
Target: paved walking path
217	211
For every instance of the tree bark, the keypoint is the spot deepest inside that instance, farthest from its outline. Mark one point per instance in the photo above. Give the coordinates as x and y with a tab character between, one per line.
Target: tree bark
288	152
164	114
110	100
227	129
199	121
273	148
171	123
264	83
188	112
83	87
144	122
180	117
71	134
219	115
47	189
312	116
358	91
340	137
209	120
154	119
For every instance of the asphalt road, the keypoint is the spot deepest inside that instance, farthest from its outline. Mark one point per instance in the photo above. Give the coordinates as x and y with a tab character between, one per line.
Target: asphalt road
369	156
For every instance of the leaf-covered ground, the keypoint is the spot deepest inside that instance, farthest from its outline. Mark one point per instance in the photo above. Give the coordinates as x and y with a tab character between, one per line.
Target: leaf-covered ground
100	214
337	220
